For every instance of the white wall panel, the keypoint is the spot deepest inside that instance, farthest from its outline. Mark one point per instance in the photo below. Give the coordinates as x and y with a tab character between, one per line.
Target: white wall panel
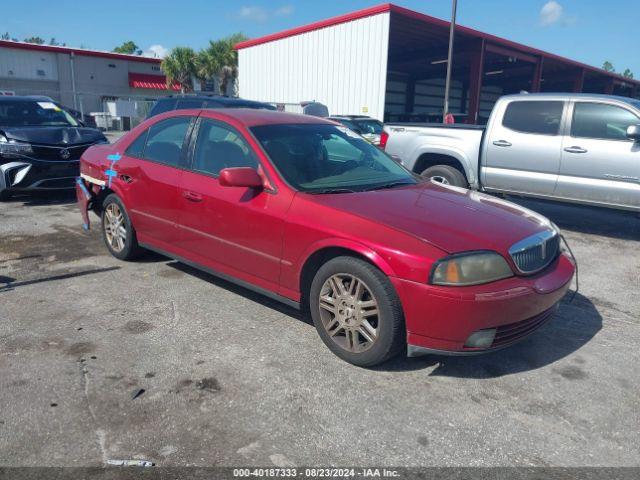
28	65
343	66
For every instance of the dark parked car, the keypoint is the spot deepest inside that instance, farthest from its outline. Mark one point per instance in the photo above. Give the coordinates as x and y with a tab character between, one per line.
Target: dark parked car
306	212
40	145
181	102
368	127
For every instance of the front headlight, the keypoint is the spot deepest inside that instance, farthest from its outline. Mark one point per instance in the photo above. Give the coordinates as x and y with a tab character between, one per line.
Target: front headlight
472	268
11	149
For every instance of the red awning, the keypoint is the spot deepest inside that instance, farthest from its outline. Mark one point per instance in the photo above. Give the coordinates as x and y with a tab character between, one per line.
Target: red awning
146	80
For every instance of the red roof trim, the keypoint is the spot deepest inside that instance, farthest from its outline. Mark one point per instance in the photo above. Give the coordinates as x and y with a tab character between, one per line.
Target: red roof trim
367	12
78	51
388	7
146	80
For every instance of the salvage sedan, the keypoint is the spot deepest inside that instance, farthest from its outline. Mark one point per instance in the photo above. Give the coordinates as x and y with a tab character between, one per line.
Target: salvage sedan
307	212
40	145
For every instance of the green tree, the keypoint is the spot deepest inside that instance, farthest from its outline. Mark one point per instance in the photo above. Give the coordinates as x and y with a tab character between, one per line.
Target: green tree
627	73
607	66
5	36
179	66
219	60
37	40
128	47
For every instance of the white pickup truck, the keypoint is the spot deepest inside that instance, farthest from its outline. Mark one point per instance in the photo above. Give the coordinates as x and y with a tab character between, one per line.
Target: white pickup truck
571	147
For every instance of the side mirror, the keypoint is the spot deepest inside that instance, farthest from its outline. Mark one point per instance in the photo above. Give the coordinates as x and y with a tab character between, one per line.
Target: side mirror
240	177
633	133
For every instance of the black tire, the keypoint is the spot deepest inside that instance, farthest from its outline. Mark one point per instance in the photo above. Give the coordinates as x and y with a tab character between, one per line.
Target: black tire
5	195
446	174
131	249
391	335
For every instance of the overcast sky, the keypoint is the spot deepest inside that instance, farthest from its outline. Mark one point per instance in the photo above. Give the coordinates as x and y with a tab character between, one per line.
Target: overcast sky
590	31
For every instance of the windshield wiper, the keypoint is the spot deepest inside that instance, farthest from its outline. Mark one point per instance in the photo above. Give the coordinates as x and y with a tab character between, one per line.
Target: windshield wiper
331	190
387	185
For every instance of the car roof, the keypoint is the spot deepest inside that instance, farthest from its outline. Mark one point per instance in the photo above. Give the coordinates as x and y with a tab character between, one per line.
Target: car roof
211	98
22	98
252	117
352	117
572	96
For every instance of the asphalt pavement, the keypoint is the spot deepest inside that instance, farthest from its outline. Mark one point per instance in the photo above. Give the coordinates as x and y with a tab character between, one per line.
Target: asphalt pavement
102	359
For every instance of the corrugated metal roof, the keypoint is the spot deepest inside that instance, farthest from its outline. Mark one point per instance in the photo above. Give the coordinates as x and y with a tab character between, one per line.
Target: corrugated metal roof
431	21
78	51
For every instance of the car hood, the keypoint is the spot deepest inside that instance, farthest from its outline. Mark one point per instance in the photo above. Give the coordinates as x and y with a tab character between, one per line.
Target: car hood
59	136
450	218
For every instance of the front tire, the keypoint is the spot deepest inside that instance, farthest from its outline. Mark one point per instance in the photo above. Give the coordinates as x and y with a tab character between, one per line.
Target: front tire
446	175
117	231
356	312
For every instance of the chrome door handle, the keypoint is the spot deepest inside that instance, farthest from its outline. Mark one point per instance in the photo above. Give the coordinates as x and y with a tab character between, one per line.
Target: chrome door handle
575	150
502	143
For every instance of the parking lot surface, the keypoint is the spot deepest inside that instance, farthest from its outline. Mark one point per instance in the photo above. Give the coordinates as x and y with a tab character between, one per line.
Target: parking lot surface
102	359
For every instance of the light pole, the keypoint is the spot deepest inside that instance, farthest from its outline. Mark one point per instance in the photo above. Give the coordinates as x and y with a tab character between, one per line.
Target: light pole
447	85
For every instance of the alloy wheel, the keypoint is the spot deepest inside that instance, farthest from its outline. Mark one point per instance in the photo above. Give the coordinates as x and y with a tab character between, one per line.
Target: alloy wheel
349	312
114	227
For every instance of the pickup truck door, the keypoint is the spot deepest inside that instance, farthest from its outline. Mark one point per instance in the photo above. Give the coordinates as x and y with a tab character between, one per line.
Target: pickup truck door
523	146
599	163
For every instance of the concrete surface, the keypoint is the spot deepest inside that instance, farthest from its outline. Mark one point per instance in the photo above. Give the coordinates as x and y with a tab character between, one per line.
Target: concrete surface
232	378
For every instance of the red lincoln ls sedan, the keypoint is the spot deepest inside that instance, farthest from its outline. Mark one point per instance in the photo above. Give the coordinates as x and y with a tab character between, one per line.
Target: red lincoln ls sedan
304	210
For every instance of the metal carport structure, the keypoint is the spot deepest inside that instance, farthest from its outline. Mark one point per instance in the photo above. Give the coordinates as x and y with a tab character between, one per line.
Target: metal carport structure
390	62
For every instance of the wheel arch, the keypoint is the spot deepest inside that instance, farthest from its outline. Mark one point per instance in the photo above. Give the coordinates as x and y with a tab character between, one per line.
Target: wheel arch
434	155
322	252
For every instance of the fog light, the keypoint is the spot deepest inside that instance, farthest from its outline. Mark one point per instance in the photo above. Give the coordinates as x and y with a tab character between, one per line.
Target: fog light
481	338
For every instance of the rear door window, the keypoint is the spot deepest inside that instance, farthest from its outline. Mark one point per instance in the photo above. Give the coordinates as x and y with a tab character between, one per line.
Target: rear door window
601	121
136	148
165	141
537	117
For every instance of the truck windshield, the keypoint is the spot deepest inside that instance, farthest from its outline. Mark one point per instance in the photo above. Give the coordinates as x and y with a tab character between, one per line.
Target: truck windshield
32	113
319	158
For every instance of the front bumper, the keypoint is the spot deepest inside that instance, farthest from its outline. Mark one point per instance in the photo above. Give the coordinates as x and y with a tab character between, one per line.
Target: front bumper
441	319
28	174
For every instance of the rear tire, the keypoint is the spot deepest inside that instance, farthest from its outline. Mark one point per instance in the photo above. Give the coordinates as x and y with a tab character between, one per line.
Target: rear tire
357	312
446	175
117	231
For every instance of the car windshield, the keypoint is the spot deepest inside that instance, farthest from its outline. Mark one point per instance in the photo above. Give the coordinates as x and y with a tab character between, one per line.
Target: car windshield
369	126
319	158
33	113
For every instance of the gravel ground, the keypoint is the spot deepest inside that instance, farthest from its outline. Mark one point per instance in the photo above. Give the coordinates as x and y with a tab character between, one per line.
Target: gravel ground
226	377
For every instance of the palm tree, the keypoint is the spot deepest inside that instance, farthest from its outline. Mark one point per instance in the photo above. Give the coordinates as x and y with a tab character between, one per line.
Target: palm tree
179	66
220	60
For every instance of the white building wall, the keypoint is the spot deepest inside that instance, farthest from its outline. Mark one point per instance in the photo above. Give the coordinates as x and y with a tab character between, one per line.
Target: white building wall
28	65
342	66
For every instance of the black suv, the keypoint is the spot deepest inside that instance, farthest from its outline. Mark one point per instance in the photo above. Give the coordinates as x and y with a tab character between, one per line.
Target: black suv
178	102
40	145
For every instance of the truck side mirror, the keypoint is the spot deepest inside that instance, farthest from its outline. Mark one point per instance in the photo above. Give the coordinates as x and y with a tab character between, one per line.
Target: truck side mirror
633	133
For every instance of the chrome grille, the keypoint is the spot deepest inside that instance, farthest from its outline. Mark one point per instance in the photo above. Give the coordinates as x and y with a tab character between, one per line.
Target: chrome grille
535	252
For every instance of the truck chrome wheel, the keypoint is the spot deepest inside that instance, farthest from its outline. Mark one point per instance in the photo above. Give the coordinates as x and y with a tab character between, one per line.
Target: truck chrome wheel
114	227
349	312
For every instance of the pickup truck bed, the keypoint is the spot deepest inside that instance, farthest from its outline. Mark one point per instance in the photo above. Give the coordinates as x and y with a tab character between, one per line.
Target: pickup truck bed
419	146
